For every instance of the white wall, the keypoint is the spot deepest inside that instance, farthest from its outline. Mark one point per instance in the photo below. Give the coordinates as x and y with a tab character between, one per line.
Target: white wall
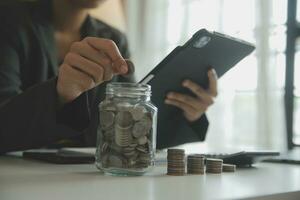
111	12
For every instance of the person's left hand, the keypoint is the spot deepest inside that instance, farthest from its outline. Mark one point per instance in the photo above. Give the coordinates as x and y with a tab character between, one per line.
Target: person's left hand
194	107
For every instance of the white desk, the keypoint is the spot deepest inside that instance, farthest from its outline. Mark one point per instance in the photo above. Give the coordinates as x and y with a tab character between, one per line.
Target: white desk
25	179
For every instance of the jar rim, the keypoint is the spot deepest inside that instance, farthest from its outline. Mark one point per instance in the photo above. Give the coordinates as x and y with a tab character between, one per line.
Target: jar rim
128	88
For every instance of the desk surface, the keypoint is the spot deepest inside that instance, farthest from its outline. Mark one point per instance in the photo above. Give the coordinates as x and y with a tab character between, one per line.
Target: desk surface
25	179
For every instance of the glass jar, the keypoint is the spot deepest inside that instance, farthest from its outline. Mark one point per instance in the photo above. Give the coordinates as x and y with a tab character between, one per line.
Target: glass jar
126	140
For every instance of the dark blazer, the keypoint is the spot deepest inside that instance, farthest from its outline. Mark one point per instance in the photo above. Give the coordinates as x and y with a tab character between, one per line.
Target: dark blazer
29	113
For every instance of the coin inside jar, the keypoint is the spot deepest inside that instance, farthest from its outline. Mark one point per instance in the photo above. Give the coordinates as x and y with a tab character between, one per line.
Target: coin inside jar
123	136
126	130
124	119
123	106
115	161
137	112
106	119
139	129
142	140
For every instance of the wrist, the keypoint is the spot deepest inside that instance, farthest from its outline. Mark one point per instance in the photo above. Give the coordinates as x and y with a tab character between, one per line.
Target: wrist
64	97
192	119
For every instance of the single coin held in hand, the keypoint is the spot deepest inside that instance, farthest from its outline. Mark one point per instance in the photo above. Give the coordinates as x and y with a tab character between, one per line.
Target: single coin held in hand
131	67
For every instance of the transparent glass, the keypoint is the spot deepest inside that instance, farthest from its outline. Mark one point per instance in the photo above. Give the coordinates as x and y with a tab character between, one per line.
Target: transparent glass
126	140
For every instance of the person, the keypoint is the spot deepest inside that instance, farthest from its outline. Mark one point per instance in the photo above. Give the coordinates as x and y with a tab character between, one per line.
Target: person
55	61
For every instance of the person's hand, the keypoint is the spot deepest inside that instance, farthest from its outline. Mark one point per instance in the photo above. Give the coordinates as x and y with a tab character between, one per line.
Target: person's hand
89	63
194	107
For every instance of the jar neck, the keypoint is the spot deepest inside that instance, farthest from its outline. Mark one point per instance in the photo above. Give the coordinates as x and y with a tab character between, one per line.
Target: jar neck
128	97
128	91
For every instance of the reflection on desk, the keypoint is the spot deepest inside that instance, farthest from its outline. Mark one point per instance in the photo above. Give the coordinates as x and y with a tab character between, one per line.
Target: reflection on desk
26	179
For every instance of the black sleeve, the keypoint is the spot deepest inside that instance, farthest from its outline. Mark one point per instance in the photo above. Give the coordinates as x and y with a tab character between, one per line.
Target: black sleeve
29	119
200	127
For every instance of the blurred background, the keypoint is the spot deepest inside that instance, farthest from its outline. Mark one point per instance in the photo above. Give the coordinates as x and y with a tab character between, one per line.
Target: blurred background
249	111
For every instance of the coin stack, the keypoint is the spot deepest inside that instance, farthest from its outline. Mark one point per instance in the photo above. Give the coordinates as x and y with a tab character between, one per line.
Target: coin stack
195	164
214	165
176	163
229	168
126	132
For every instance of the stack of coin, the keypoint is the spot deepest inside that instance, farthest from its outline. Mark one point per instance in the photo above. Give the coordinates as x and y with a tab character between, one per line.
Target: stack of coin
214	165
195	164
229	168
126	136
176	163
123	128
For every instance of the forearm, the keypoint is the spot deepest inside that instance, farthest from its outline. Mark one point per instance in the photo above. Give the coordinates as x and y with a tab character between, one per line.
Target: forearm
31	119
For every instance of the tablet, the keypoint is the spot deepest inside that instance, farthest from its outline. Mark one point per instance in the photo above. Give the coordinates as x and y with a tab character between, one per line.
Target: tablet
191	61
59	156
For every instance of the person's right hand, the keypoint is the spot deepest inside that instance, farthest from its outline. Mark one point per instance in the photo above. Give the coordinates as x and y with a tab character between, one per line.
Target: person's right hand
89	63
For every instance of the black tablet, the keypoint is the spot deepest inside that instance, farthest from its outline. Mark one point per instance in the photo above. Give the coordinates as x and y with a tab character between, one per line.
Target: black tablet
59	156
192	61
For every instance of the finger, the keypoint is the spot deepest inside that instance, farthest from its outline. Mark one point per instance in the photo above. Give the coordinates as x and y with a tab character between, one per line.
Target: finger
192	101
199	91
131	68
83	81
87	51
183	106
212	79
111	49
86	66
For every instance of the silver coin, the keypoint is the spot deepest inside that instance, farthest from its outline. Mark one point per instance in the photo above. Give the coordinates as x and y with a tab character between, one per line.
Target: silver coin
131	68
124	119
139	129
104	160
131	162
129	154
106	119
142	127
123	136
109	133
229	168
104	147
128	149
142	149
115	147
147	120
133	144
134	141
115	161
123	106
144	158
137	112
142	140
108	107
